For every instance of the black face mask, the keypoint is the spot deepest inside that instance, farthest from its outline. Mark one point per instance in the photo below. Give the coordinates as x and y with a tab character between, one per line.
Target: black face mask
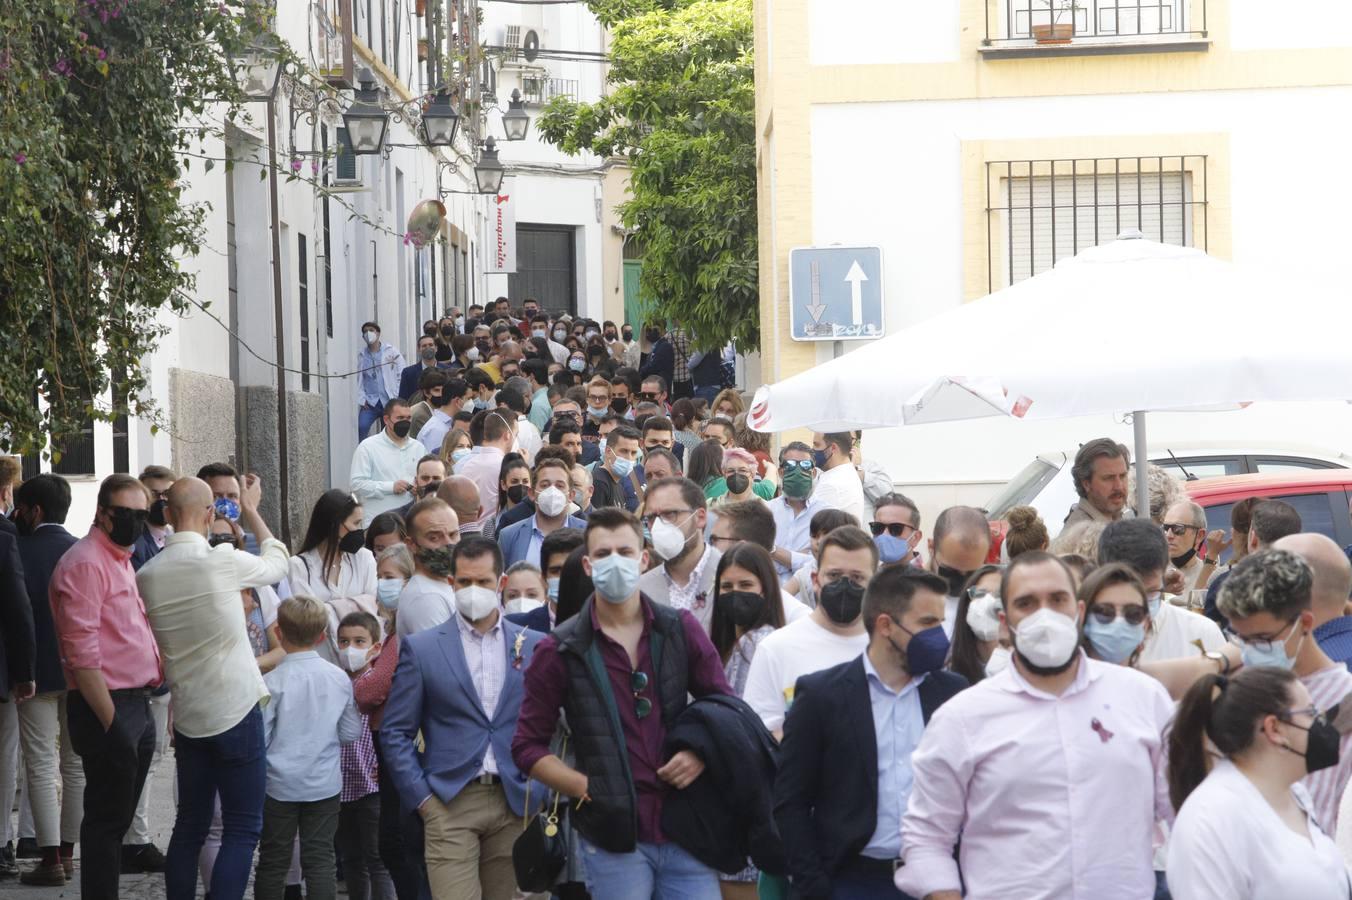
448	331
1323	745
654	335
744	608
429	489
610	335
401	429
516	493
215	540
430	331
352	541
485	349
620	405
1181	561
738	483
436	401
842	600
128	526
156	514
628	335
956	580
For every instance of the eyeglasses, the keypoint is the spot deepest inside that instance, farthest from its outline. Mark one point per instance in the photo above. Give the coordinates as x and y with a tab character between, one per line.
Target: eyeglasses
789	465
718	542
638	683
1134	614
975	594
1263	643
896	529
671	516
1311	711
1177	529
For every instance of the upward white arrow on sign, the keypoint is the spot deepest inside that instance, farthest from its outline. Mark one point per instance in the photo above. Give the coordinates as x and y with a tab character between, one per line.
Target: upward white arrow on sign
856	277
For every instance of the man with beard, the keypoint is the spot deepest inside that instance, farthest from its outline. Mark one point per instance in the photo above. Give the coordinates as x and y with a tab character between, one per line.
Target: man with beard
845	762
1100	476
1054	752
428	598
832	634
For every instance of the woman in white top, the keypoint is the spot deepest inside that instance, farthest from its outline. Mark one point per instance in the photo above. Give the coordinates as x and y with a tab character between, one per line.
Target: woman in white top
1244	831
333	566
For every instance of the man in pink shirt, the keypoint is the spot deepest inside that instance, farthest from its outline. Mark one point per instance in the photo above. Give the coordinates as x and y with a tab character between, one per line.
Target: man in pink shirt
484	466
1051	771
111	662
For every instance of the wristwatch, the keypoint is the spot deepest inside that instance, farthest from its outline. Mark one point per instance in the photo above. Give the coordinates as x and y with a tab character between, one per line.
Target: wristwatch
1220	658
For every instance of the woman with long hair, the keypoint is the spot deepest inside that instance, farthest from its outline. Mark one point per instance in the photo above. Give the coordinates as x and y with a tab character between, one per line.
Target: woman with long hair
704	466
1245	830
455	447
683	418
1116	614
747	609
976	626
385	530
514	484
727	404
333	564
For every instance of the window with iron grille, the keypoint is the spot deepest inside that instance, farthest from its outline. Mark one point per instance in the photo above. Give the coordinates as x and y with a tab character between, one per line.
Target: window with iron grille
1063	21
1040	211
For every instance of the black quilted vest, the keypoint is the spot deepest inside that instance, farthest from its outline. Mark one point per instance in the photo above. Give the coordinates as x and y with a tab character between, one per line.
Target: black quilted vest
610	819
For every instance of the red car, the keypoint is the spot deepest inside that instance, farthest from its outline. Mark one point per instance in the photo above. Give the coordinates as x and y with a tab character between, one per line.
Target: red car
1321	496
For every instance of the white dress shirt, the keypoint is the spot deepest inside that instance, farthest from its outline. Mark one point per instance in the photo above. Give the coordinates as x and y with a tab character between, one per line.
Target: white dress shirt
310	714
354	592
1054	797
1229	844
528	439
792	533
424	603
840	488
377	464
192	597
1175	633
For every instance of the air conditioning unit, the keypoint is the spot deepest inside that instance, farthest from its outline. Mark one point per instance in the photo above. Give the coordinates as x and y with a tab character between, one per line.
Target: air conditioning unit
346	169
521	45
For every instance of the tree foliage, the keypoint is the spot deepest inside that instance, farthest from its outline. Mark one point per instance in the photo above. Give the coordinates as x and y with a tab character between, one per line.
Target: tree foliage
97	102
682	110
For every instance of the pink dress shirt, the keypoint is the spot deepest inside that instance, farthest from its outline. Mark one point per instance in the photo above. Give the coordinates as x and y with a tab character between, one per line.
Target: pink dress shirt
100	620
1055	798
483	466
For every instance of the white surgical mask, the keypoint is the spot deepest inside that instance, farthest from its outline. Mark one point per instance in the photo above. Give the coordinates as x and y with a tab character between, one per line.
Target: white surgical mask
538	332
521	605
983	617
472	354
551	501
354	658
370	336
999	661
668	539
553	589
1047	638
475	603
457	455
590	333
388	590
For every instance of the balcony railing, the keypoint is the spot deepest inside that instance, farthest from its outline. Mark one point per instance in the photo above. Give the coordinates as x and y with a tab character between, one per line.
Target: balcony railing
1088	26
542	90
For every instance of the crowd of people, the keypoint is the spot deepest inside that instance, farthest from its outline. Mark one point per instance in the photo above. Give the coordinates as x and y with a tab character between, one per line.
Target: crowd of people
571	630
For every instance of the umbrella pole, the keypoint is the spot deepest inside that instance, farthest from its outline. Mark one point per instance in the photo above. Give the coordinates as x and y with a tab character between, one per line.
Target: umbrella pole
1142	464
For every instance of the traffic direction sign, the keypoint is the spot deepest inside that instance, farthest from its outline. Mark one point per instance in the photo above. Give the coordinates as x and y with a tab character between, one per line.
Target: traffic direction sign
836	293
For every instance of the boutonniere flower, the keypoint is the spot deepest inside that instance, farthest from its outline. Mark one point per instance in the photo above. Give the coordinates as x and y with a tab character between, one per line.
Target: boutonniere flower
700	599
516	650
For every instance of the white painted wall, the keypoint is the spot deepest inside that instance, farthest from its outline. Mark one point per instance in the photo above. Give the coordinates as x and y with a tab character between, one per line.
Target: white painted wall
873	32
912	206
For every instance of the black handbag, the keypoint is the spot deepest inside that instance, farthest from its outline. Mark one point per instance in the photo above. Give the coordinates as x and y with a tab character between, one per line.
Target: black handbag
541	851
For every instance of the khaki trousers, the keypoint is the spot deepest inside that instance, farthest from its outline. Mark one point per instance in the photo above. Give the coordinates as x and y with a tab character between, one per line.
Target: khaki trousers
468	844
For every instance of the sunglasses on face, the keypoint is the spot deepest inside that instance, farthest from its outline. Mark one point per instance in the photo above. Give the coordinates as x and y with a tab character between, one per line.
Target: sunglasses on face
1177	529
896	529
1134	614
123	512
790	464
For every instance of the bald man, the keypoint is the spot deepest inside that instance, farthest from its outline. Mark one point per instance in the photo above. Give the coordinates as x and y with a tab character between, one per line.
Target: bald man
961	543
1329	593
192	597
461	494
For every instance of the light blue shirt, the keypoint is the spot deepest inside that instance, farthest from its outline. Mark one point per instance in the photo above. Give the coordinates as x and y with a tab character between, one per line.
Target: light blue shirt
793	533
898	725
310	714
540	410
537	538
434	431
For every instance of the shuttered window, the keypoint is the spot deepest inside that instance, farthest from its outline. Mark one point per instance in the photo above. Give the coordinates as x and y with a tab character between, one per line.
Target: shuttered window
1043	211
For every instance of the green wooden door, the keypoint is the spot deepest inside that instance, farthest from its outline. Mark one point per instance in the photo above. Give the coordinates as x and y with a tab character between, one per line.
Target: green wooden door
634	308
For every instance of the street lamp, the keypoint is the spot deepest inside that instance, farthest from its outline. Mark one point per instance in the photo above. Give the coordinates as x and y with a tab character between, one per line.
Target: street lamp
257	67
514	120
440	120
488	171
364	120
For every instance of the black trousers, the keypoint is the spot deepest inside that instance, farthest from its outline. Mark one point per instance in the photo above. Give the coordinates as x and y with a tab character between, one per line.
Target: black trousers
401	839
115	764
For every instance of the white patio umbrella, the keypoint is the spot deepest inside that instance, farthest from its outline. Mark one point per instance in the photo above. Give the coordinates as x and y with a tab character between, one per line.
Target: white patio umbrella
1128	326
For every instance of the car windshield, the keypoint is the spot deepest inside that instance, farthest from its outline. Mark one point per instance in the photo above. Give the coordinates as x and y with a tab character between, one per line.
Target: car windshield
1022	489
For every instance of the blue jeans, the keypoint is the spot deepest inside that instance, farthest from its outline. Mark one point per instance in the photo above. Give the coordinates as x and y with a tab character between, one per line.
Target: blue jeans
232	764
366	417
707	393
657	871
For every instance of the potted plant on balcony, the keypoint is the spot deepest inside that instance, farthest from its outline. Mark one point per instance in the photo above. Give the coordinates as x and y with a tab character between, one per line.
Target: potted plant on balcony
1060	27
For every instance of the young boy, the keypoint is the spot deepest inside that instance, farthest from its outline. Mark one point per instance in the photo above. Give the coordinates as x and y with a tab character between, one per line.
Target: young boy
359	818
310	713
823	522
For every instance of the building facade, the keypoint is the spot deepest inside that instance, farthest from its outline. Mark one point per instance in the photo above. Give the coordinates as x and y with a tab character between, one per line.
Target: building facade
979	141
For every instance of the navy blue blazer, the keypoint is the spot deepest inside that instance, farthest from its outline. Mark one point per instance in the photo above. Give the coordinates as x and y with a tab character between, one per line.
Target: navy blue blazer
536	620
144	550
40	552
433	692
17	645
515	539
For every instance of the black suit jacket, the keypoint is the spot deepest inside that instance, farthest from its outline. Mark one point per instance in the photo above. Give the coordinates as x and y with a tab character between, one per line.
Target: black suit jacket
17	643
826	794
40	552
